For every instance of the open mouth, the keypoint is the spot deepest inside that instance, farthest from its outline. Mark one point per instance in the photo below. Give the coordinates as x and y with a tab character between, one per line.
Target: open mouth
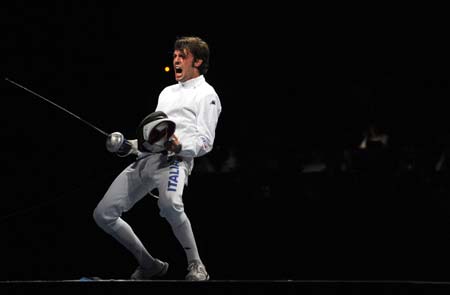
178	70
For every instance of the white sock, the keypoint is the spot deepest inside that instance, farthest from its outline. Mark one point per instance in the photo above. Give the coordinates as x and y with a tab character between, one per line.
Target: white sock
185	236
126	236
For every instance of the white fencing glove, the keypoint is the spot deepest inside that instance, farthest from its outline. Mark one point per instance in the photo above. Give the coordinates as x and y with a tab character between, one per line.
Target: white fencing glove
118	144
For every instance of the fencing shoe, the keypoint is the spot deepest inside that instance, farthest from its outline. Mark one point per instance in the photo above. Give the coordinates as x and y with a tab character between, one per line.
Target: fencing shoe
197	272
158	269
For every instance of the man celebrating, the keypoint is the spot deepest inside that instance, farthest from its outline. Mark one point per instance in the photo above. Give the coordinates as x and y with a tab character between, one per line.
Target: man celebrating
181	129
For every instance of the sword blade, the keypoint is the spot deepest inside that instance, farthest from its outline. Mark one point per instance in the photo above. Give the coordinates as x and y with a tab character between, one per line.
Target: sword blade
58	106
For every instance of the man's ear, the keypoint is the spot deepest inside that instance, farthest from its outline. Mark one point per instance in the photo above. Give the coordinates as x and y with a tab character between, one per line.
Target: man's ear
198	63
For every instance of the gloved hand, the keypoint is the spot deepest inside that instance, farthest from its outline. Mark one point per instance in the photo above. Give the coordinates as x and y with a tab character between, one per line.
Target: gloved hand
173	144
118	144
129	147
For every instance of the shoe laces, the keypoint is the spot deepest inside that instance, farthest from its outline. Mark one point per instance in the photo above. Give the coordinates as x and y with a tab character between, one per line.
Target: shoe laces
197	266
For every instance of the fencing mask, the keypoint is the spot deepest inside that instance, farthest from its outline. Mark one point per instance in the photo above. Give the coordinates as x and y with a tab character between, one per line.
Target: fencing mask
154	131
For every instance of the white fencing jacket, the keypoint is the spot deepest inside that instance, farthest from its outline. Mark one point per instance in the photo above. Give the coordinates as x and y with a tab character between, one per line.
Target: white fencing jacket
195	108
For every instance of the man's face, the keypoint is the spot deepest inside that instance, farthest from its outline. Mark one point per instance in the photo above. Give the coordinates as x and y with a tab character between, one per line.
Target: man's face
184	66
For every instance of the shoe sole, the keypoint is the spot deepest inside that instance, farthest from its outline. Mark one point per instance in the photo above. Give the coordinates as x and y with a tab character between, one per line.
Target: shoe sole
189	279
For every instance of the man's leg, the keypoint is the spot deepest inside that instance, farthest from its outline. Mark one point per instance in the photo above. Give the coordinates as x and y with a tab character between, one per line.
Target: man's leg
124	192
171	182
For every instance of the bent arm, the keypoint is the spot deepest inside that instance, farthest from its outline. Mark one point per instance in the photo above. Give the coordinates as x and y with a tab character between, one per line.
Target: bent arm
202	140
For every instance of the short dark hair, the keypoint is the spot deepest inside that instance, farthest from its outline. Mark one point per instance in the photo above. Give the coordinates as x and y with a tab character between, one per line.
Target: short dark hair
198	47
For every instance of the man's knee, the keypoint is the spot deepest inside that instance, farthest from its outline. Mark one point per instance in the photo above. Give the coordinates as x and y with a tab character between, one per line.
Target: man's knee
172	211
103	220
99	216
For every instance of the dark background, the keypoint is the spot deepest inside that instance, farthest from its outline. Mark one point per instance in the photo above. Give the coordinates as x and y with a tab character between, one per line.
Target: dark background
294	82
